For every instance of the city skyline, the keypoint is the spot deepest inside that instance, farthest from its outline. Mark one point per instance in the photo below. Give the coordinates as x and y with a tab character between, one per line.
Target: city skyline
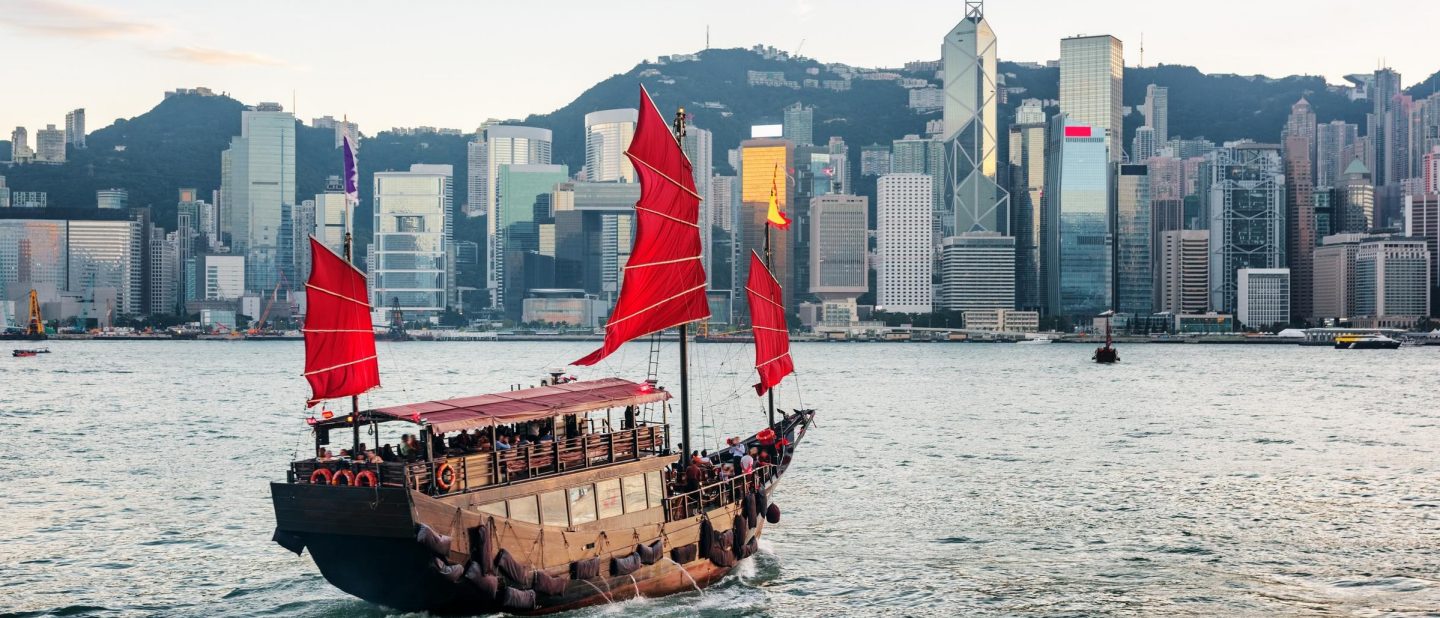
77	49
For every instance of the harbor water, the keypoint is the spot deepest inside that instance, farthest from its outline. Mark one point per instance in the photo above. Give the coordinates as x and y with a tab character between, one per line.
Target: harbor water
942	479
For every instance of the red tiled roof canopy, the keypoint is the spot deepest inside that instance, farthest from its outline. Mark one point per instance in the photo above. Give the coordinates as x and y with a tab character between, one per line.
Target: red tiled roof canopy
522	405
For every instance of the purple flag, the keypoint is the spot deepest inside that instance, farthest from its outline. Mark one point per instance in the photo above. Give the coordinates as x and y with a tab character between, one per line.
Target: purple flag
352	172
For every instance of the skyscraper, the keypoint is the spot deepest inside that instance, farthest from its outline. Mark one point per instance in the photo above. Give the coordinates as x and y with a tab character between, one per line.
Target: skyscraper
972	194
904	249
476	168
840	171
1156	110
1393	281
763	166
1134	278
1356	195
1334	264
524	198
839	269
1076	257
1184	271
504	145
977	271
1027	190
1299	219
1262	296
1246	202
1385	87
257	178
607	135
1332	141
921	155
20	151
699	147
1144	145
408	262
333	216
799	124
50	145
1422	221
1091	80
75	127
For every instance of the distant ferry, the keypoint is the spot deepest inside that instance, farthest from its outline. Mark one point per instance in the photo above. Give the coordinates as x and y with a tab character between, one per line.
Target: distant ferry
1035	341
1365	342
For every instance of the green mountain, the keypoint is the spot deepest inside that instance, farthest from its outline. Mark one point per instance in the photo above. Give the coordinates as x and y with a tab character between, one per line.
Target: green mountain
178	143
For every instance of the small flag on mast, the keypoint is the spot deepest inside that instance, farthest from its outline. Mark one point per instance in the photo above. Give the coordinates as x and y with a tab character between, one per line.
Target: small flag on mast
352	169
776	217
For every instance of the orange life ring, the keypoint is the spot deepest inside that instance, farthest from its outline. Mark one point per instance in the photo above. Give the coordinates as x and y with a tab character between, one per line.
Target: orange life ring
445	477
343	477
366	478
321	476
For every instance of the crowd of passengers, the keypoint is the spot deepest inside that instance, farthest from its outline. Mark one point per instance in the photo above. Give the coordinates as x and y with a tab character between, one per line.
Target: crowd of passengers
459	443
702	468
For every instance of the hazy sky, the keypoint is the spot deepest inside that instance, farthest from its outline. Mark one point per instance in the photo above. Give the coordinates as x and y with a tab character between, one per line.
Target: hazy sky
455	63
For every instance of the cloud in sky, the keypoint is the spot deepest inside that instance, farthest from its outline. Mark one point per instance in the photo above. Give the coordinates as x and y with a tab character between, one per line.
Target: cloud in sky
56	18
219	57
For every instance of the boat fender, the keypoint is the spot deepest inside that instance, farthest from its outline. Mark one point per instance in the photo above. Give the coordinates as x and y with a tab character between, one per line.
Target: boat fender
650	554
437	543
747	506
289	540
721	556
752	547
515	573
740	533
707	533
445	477
624	565
366	478
480	549
488	585
585	569
321	476
450	572
772	514
548	585
762	501
343	477
685	554
515	598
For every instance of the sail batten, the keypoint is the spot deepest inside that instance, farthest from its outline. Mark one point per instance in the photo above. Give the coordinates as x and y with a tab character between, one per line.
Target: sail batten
340	358
767	323
664	284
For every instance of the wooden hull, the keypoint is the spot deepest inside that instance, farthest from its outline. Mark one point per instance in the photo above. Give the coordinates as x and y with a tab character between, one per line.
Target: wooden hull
364	542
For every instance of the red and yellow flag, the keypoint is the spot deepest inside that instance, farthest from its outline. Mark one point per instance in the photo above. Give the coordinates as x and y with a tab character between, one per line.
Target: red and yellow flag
776	217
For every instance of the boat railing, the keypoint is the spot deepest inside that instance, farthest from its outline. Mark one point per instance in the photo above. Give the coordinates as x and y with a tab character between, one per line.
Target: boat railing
715	495
475	471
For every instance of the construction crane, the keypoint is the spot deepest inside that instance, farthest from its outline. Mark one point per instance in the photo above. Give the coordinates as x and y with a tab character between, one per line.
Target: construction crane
35	327
265	315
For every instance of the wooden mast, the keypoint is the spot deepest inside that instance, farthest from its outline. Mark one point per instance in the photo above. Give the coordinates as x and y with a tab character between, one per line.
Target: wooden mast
354	399
684	335
770	392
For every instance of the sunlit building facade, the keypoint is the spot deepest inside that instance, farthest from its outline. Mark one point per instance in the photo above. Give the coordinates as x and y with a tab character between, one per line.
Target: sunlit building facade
607	135
1076	256
1091	83
407	258
1134	277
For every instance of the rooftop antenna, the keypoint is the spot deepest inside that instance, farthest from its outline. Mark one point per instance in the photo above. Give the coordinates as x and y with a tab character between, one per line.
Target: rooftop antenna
1142	49
707	36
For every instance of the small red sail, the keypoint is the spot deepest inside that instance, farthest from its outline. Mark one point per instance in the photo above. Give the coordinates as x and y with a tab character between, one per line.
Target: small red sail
339	342
664	282
767	321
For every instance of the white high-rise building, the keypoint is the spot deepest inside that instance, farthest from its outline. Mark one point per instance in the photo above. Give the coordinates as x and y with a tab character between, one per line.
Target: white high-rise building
224	277
904	251
409	258
1262	296
972	195
333	217
1144	145
607	135
699	148
257	178
476	166
1393	279
504	145
75	127
725	197
1091	82
20	151
1183	277
50	145
977	271
1156	110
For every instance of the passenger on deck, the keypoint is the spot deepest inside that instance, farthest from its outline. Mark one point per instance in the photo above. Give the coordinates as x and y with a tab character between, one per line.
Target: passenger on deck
747	463
694	474
736	450
411	447
323	454
727	471
388	454
501	444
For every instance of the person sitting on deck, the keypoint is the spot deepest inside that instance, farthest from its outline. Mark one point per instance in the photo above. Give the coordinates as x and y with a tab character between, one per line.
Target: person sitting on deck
323	454
694	475
344	453
747	463
387	453
501	444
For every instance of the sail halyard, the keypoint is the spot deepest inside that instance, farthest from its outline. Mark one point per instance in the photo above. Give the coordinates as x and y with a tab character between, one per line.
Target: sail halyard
340	358
767	323
664	280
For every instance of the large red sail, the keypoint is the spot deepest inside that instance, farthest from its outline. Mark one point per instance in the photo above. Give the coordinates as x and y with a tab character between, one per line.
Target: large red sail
767	321
339	341
664	282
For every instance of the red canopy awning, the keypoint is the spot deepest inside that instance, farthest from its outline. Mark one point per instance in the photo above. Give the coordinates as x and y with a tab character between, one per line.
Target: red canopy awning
522	405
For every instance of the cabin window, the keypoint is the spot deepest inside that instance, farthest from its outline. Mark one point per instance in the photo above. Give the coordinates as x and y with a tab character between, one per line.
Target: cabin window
523	509
552	509
494	508
607	493
582	504
634	490
655	488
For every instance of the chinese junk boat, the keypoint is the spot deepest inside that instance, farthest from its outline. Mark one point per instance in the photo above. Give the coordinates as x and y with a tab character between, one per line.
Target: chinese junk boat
580	500
1106	354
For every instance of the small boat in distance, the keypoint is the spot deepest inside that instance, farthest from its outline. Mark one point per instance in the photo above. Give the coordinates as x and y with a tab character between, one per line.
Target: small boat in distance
1106	354
22	353
1365	342
1035	341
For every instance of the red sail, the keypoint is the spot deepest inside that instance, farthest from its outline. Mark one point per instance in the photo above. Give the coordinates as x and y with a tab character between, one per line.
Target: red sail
664	282
339	342
767	321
